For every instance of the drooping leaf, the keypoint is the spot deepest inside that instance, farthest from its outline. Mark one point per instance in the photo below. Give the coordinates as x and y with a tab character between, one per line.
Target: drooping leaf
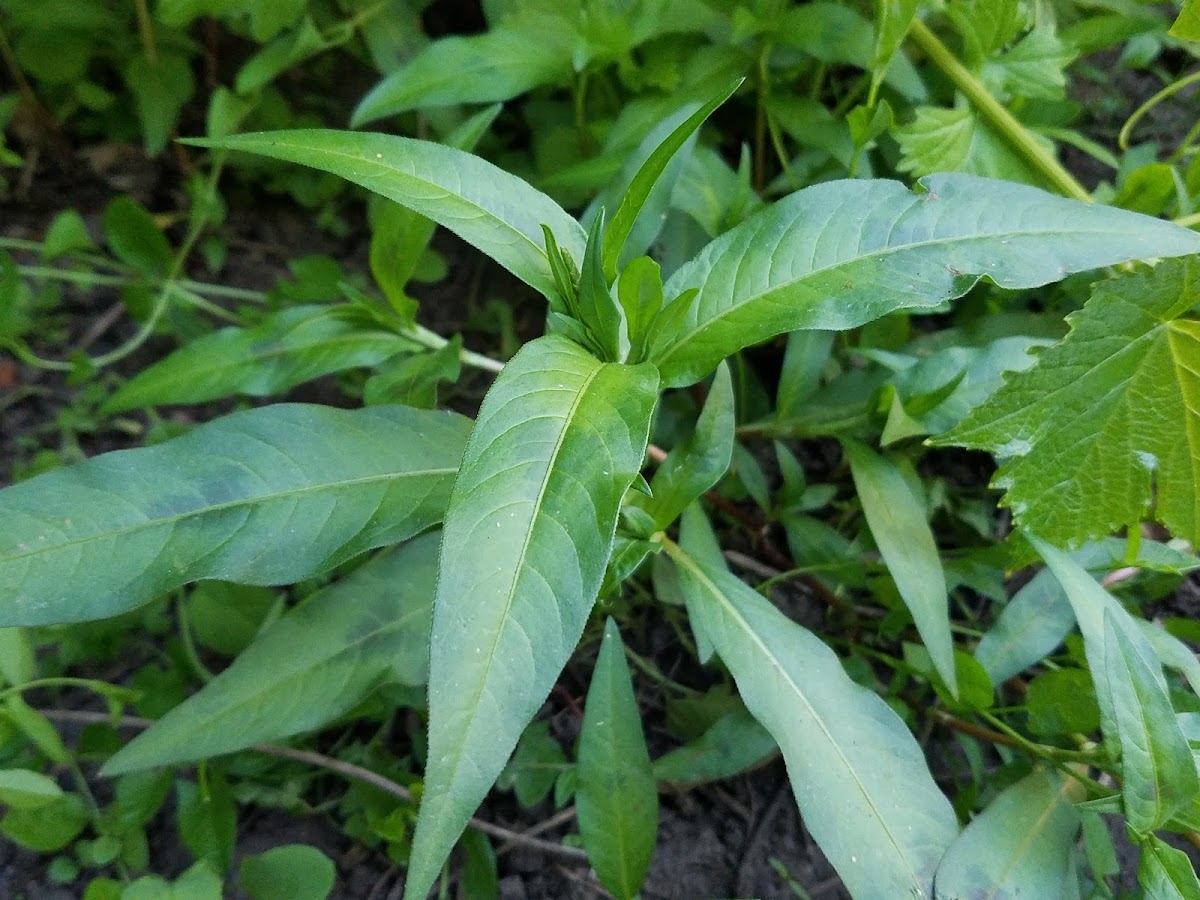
699	461
858	775
285	349
308	668
905	540
733	744
484	68
1108	419
265	496
1034	622
616	800
1165	873
1158	773
1019	846
559	439
484	205
840	254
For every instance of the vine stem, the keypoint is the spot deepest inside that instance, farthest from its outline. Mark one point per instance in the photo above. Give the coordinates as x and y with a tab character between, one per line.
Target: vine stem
996	113
339	767
1169	91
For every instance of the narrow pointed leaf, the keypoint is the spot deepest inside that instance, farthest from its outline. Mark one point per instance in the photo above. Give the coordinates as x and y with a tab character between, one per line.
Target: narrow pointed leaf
559	439
837	255
310	667
1106	426
1165	873
616	799
487	207
860	780
266	496
1020	846
1030	627
598	310
286	349
905	540
700	460
1158	772
634	201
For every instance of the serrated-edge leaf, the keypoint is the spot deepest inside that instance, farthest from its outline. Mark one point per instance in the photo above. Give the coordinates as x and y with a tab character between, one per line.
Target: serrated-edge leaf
905	540
616	799
265	496
1019	846
840	254
487	207
858	775
559	439
309	667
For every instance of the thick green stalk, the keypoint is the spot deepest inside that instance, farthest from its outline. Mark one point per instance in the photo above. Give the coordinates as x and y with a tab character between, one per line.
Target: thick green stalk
996	113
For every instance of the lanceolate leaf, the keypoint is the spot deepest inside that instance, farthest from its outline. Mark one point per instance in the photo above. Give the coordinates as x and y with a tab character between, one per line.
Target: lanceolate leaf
559	439
266	496
1108	419
840	254
308	668
286	349
905	540
1020	846
1166	873
617	799
860	780
1158	772
484	205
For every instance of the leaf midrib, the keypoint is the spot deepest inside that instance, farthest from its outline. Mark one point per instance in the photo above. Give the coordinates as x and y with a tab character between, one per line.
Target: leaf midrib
688	336
745	626
219	507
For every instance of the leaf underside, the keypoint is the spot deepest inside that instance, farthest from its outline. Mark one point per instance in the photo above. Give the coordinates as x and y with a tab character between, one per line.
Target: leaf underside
559	439
265	496
840	254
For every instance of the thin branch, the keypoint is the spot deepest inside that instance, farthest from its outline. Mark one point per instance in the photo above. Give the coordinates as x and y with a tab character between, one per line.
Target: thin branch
346	770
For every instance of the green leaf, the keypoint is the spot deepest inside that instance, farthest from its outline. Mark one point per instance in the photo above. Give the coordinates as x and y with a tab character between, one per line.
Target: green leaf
858	775
734	743
699	460
559	439
1062	701
135	239
956	139
24	789
46	829
479	876
206	818
284	350
616	799
641	186
265	496
160	91
67	234
1158	773
840	254
17	662
285	51
1165	873
1034	67
535	765
893	18
290	872
898	525
308	668
199	882
487	207
1187	26
596	308
1020	846
1034	622
414	380
485	68
1108	419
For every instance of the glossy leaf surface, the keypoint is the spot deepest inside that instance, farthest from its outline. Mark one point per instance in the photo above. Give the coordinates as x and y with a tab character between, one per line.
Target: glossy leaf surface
616	800
487	207
559	438
266	496
1019	846
1109	419
840	254
860	780
308	668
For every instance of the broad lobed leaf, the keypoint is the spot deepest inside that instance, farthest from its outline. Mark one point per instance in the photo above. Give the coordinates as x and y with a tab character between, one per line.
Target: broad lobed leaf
265	496
859	777
308	668
559	439
1109	418
481	203
840	254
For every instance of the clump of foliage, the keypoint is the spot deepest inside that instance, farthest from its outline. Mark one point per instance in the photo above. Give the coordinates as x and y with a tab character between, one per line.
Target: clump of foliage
458	566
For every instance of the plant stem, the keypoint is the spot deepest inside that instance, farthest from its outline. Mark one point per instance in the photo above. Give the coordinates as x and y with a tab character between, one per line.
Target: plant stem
146	32
996	113
1169	91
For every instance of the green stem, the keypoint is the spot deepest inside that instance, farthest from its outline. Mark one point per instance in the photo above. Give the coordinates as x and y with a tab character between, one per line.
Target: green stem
189	644
1169	91
996	114
103	688
146	32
